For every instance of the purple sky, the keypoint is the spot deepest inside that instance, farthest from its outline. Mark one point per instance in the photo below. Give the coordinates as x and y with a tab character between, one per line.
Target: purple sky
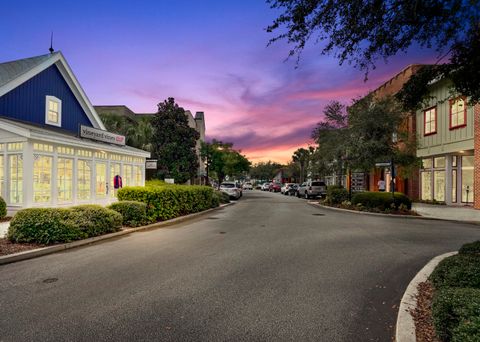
209	55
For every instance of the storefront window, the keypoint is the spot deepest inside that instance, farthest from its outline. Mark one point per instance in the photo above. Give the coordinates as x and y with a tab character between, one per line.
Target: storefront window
65	179
100	180
426	185
439	185
467	179
439	162
427	163
84	179
127	175
16	178
454	186
2	175
114	171
42	179
138	175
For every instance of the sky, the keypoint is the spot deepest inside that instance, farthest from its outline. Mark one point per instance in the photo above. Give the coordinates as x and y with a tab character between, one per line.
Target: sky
210	55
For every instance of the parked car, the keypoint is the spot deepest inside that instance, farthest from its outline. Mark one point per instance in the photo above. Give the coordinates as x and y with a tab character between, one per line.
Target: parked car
285	188
312	189
292	190
275	187
247	186
231	189
265	186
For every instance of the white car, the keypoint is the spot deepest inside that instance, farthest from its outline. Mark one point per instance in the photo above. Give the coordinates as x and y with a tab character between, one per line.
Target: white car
265	186
247	186
231	189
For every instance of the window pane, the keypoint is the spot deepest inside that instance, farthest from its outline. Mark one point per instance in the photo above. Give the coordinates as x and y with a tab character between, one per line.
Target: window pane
427	163
439	185
16	178
426	185
83	179
127	175
100	180
439	162
65	179
467	179
454	186
42	179
454	161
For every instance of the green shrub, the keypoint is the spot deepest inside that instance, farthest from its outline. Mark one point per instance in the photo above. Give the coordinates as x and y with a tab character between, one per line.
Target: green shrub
457	271
381	200
470	248
222	196
3	208
96	220
336	194
167	202
45	226
134	213
456	313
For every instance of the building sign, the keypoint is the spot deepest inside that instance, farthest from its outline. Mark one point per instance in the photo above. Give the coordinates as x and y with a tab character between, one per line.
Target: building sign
99	135
151	164
358	181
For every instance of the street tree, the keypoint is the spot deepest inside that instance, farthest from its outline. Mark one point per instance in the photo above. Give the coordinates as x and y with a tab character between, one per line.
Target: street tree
363	32
302	157
331	135
265	170
174	142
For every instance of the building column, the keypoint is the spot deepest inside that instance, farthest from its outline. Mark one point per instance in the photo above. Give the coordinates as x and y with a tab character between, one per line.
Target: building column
448	179
28	174
476	168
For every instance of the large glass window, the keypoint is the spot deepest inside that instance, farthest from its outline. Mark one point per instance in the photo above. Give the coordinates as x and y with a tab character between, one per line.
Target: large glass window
42	179
454	186
84	174
458	113
439	186
114	171
15	185
426	185
2	175
127	175
100	180
430	121
467	179
65	179
137	170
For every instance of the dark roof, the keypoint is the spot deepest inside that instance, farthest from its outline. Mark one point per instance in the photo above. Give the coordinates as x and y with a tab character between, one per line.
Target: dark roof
13	69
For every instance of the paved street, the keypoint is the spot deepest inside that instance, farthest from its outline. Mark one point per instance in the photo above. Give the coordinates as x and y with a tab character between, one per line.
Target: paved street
269	268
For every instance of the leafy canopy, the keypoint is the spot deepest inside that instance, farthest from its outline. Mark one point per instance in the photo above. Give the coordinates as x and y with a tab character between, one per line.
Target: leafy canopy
362	32
174	142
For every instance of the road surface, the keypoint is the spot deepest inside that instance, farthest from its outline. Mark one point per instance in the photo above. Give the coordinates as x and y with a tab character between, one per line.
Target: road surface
269	268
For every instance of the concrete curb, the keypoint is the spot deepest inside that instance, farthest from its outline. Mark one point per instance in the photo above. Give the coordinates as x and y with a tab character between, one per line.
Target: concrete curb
34	253
409	217
405	330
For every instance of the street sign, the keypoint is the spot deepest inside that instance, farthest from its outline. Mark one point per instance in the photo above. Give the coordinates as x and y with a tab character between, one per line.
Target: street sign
151	164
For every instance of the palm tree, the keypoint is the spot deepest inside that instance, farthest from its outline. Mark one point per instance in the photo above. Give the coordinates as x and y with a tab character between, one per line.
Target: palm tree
302	157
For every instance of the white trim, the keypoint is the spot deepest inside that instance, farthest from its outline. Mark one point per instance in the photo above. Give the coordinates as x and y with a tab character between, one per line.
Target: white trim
67	73
48	99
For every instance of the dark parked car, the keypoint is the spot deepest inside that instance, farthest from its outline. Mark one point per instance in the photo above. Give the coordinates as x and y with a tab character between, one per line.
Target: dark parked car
292	190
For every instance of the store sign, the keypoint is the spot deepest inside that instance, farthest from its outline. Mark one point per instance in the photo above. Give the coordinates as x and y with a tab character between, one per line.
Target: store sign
151	164
358	181
99	135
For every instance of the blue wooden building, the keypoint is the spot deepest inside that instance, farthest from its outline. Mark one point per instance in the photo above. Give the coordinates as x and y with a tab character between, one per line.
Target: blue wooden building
54	150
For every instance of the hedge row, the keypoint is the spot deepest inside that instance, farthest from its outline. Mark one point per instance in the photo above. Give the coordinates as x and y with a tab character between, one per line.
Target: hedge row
3	208
54	225
134	213
381	200
336	194
167	202
456	301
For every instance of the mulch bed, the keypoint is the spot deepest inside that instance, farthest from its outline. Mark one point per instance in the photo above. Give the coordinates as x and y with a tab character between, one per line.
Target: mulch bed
5	219
422	314
7	247
355	208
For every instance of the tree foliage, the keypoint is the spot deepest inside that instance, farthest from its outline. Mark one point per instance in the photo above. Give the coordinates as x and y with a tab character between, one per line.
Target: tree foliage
302	157
362	32
174	142
222	160
265	170
137	131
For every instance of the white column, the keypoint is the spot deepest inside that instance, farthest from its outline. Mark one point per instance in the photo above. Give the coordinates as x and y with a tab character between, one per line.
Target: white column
28	174
448	179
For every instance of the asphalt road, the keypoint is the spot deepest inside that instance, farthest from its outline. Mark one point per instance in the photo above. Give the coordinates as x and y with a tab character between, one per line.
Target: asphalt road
269	268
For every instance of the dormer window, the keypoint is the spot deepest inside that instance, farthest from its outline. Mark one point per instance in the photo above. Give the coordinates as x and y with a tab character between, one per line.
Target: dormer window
53	111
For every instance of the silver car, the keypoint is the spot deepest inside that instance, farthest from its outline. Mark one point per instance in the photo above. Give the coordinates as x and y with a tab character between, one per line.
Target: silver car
231	189
312	189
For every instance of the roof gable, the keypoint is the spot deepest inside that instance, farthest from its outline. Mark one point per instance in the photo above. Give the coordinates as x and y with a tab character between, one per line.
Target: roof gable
15	73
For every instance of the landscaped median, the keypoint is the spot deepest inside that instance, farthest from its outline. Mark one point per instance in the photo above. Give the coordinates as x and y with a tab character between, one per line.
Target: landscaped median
446	300
35	228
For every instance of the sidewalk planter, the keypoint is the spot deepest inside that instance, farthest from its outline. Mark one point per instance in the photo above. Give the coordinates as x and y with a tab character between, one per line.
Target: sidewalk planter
381	200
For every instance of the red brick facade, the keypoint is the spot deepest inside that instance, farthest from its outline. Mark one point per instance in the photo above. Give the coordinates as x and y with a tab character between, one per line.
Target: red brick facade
476	168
